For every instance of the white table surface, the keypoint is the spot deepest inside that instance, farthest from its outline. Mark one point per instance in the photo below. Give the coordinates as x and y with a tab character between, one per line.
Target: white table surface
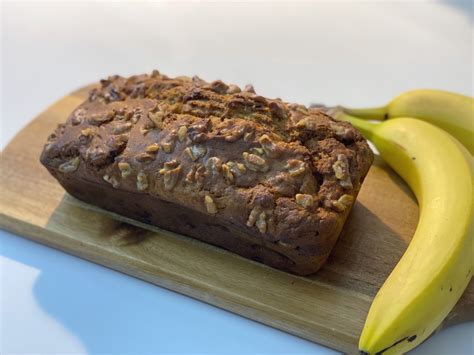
353	52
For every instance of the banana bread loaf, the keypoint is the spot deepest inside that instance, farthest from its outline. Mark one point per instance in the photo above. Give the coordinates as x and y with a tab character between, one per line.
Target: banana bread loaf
271	181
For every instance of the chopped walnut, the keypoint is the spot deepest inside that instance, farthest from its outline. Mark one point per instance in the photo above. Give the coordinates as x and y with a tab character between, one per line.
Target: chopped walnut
171	178
168	147
210	204
69	166
228	176
339	130
271	148
254	214
255	162
249	136
261	223
341	171
196	151
125	169
190	176
152	148
296	167
182	132
144	130
171	172
171	164
142	181
304	200
256	150
100	118
309	122
343	202
213	166
122	128
144	158
137	114
240	168
97	155
156	118
232	169
111	180
78	116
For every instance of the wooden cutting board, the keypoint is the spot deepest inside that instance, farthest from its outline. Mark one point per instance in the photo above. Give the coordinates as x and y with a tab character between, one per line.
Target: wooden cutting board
328	308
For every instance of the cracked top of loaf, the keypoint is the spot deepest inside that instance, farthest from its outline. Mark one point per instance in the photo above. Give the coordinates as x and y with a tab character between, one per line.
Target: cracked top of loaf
288	172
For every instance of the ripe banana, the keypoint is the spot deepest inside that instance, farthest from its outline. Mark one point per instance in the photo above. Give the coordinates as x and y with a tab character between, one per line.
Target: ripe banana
438	264
452	112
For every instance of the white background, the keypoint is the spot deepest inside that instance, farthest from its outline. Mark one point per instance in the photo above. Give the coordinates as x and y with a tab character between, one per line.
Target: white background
353	52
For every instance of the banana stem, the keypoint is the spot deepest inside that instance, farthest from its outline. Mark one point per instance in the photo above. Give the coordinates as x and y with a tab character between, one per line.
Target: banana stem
366	127
374	113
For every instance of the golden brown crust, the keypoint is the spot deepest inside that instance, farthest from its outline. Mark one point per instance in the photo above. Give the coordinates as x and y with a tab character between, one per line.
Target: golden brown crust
284	174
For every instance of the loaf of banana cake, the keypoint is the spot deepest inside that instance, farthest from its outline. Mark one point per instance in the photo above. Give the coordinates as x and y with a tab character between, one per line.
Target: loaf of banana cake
269	180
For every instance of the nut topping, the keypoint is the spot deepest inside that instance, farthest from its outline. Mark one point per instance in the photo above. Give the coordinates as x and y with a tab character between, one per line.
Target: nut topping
144	158
171	164
171	178
341	171
228	176
182	132
168	147
196	151
339	130
69	166
78	116
249	136
309	122
296	167
254	162
122	128
142	181
253	216
256	150
196	175
304	200
261	223
152	148
342	203
213	166
100	118
171	171
125	169
210	204
270	147
156	118
111	180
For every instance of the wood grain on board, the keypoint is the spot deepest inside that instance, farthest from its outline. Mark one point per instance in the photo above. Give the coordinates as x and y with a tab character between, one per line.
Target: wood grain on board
328	308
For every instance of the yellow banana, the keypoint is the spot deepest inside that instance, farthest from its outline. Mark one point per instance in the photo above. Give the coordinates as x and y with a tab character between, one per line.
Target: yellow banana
438	264
452	112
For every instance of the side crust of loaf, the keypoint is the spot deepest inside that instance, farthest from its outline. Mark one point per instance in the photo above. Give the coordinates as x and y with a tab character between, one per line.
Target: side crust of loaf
271	181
